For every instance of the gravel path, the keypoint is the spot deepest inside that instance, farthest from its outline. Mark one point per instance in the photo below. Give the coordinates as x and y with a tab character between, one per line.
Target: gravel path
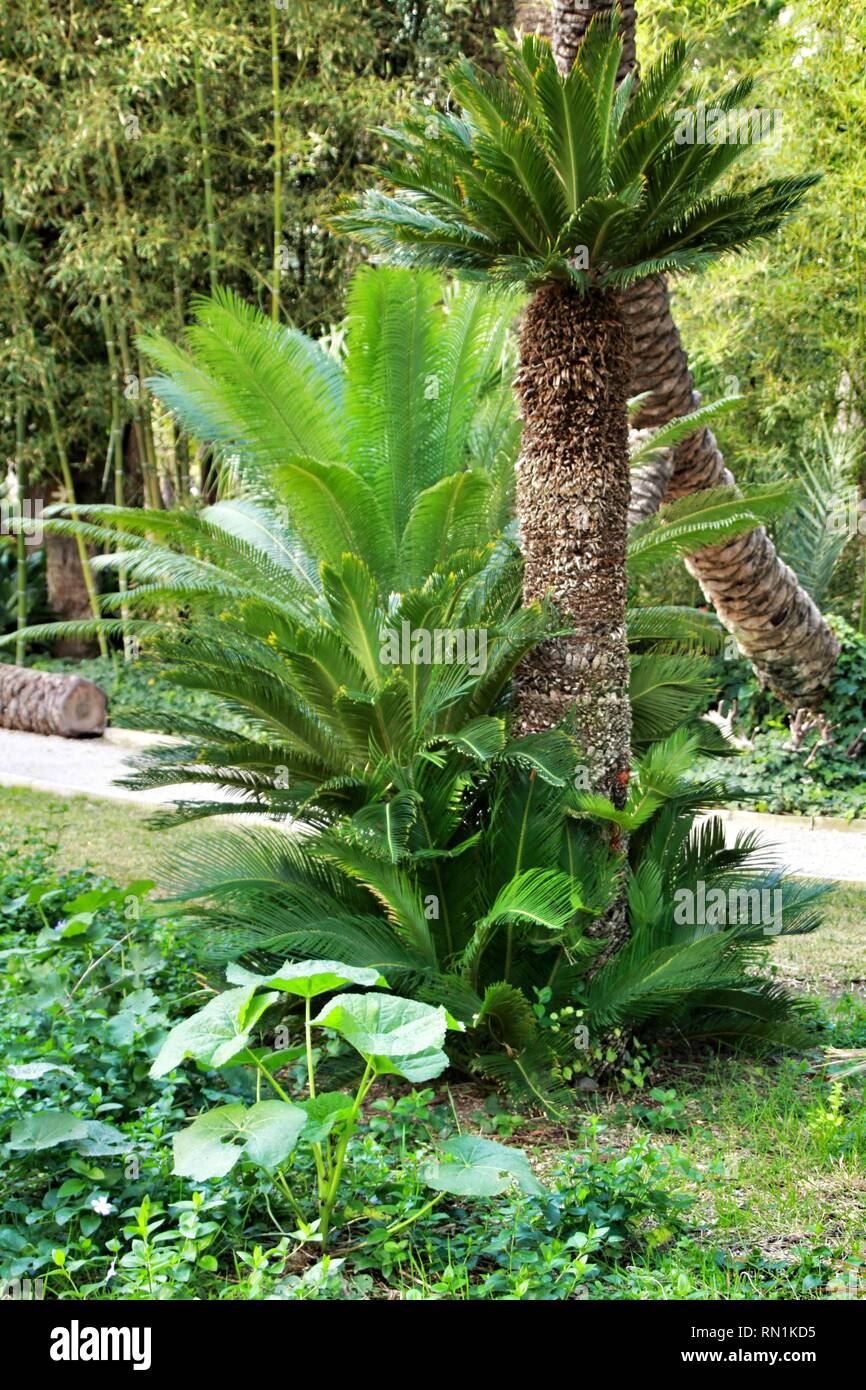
809	847
89	767
85	767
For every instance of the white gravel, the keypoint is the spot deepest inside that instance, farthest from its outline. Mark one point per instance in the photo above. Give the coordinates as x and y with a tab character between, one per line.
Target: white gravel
85	767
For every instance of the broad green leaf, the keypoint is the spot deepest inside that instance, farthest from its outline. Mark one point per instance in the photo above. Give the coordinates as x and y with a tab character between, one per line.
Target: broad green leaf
422	1066
265	1134
307	978
476	1167
102	1139
323	1112
216	1033
34	1071
399	1036
48	1128
45	1129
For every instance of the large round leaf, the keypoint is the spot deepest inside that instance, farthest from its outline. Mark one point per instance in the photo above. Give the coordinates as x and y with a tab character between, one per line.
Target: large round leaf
45	1129
308	978
216	1033
476	1167
397	1035
264	1134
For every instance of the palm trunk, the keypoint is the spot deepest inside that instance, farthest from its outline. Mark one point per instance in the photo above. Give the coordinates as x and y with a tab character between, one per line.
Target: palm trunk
756	596
572	504
571	19
43	702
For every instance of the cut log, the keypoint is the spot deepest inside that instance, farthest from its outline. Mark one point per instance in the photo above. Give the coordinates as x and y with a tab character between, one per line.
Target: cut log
42	702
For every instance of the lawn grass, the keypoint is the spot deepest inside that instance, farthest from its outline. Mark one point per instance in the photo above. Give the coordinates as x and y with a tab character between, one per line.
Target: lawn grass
110	837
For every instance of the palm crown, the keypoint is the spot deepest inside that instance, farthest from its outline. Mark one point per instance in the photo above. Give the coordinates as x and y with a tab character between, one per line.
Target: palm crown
546	177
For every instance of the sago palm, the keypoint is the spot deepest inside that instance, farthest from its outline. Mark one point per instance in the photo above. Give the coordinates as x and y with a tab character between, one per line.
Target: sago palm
572	188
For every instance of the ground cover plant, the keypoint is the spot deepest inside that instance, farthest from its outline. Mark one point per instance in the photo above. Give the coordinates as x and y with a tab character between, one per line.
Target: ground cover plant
805	765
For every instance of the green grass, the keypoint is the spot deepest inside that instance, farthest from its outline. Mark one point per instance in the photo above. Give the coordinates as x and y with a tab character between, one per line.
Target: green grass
111	838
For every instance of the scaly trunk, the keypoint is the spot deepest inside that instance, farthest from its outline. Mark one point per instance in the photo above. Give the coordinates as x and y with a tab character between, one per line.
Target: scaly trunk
43	702
756	596
571	19
572	504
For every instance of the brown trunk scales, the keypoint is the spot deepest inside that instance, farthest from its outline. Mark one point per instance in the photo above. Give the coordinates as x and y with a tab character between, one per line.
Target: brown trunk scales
756	595
572	501
42	702
573	489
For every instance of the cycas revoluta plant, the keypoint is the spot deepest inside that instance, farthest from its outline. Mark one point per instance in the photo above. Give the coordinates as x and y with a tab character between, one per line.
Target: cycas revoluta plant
426	840
572	188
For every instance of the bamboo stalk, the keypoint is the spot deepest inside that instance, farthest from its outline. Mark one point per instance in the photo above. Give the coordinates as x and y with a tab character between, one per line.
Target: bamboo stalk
149	469
25	325
20	460
21	539
116	446
278	163
206	172
69	486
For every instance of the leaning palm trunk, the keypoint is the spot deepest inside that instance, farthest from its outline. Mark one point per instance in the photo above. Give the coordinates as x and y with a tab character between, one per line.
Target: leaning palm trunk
756	595
572	504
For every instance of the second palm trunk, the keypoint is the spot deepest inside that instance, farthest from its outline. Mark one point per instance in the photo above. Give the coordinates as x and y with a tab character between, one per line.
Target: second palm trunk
572	502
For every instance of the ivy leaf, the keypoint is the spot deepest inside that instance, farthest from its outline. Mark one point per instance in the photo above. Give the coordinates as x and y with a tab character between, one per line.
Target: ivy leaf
265	1134
309	977
480	1168
217	1032
399	1036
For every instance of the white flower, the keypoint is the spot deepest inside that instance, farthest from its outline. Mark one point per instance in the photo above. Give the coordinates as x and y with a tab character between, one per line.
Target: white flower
102	1206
